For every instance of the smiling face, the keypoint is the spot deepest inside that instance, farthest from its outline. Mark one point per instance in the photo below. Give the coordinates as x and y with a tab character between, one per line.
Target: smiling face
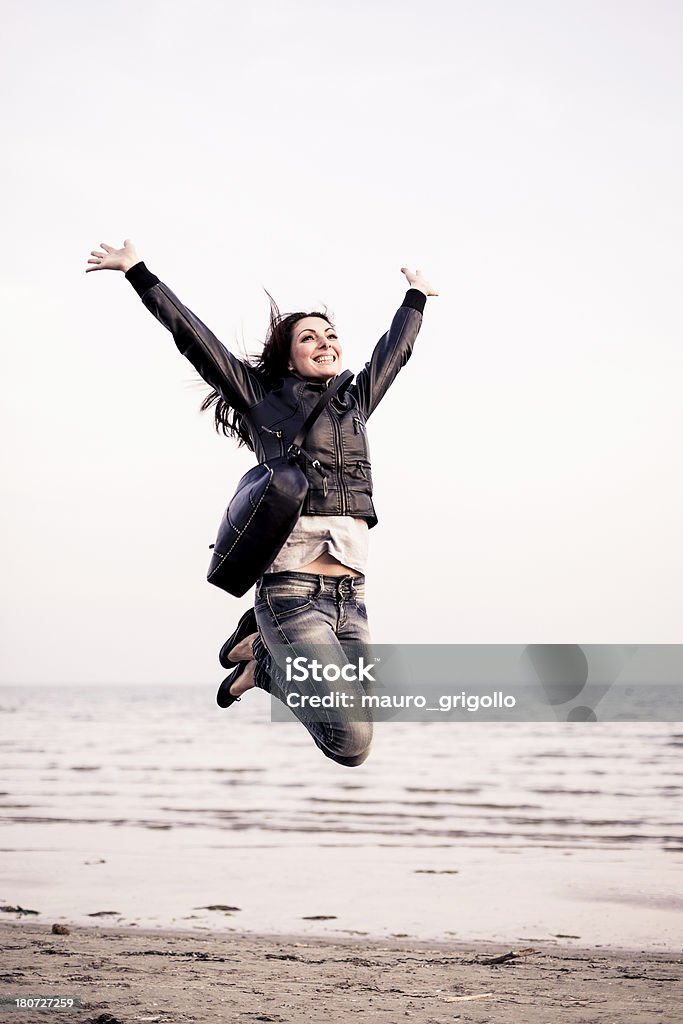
315	351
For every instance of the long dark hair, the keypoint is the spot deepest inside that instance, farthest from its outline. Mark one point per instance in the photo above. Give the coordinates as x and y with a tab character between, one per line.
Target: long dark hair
270	366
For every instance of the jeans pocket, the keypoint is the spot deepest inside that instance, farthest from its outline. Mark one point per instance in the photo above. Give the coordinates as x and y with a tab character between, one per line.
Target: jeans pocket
285	602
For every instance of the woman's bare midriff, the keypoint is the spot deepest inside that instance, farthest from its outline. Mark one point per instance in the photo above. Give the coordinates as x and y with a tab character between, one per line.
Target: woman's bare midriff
326	565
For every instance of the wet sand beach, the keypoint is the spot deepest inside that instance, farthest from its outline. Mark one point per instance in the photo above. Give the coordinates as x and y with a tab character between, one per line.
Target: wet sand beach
130	975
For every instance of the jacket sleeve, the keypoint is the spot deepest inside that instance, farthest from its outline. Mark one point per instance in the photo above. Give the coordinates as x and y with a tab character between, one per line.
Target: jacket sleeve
233	379
392	351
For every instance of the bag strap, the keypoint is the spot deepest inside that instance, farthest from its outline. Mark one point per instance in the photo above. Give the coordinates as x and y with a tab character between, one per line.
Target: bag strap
328	394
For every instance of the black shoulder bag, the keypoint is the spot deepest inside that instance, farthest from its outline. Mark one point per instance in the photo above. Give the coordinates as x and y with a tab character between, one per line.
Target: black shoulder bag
264	510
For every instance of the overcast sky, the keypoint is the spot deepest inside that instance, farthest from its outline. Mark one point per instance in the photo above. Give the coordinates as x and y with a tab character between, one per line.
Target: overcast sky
525	155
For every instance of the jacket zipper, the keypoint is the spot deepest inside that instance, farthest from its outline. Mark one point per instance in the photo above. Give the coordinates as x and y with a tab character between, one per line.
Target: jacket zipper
278	435
358	425
338	450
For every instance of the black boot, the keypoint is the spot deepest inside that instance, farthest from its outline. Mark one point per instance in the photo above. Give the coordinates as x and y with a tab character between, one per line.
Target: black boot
224	698
245	627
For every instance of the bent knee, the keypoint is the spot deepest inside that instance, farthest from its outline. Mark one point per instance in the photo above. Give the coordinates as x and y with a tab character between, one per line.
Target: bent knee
352	744
355	762
357	738
348	762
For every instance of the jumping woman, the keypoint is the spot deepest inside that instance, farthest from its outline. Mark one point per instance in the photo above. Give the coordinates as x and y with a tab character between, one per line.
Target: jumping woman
311	599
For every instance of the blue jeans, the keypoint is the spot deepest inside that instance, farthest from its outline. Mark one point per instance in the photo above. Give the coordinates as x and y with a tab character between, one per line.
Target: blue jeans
318	618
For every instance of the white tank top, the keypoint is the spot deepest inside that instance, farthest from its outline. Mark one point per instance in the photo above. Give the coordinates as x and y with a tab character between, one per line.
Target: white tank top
344	537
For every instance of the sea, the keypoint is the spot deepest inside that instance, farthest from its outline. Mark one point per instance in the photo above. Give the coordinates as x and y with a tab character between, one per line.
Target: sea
150	807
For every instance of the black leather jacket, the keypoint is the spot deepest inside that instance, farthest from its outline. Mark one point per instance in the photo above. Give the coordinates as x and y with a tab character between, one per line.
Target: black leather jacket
338	439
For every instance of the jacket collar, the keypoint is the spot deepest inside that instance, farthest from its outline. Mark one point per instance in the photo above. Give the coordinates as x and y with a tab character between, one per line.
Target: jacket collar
319	385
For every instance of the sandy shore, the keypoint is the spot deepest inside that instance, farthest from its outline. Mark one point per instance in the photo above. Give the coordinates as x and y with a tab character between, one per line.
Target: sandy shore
129	975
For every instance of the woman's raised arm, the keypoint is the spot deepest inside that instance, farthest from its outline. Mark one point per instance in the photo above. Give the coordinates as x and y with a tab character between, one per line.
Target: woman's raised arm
235	381
393	350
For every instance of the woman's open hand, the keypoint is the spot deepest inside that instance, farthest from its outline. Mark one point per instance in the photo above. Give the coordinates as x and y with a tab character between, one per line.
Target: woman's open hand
416	280
114	259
